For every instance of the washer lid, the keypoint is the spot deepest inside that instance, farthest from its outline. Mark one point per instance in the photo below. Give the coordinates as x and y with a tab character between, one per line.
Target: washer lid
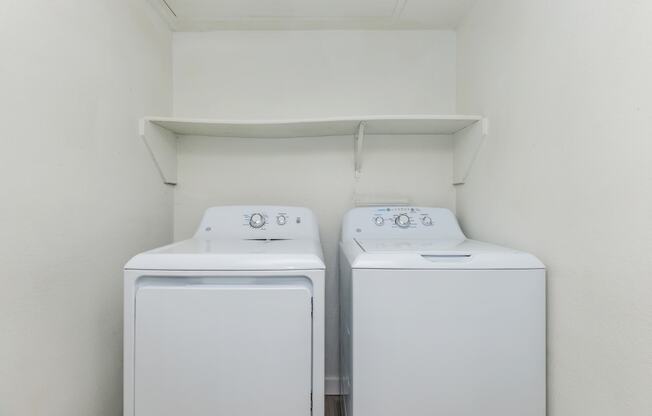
232	254
434	254
399	245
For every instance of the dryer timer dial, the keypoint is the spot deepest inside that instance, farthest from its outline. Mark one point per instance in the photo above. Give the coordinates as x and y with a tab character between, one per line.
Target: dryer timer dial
256	220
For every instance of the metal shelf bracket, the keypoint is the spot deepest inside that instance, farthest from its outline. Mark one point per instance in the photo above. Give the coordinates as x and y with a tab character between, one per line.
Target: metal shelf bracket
162	146
358	146
467	145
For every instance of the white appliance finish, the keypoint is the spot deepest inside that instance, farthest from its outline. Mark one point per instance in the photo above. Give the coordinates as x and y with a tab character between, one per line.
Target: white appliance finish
230	322
435	324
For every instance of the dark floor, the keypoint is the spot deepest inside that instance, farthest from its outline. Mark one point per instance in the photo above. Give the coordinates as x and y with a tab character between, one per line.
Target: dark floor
333	406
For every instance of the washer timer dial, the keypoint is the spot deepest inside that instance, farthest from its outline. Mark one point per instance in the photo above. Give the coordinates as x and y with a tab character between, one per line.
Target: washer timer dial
403	221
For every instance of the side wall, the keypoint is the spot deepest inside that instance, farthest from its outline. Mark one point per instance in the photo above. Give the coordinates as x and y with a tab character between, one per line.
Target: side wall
566	173
80	194
266	75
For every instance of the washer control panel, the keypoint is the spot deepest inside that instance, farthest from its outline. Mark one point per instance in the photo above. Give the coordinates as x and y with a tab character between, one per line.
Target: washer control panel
402	218
401	222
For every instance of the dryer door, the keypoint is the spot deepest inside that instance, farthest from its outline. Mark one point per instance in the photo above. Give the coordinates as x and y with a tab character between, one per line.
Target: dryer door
220	346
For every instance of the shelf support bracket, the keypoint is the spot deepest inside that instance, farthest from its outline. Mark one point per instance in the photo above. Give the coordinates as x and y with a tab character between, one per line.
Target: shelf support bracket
466	148
358	146
162	146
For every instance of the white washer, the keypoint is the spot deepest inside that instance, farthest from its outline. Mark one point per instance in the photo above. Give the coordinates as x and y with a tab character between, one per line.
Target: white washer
230	322
435	324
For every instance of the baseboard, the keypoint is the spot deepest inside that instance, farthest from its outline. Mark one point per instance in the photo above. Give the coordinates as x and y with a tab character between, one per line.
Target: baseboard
332	385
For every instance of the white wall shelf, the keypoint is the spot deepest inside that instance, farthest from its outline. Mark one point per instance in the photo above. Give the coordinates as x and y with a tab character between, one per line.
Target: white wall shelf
161	133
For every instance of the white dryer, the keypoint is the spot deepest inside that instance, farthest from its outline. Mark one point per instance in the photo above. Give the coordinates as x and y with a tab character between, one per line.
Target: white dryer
435	324
230	322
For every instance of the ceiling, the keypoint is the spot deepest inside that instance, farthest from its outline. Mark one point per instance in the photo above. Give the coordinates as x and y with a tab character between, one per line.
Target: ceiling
199	15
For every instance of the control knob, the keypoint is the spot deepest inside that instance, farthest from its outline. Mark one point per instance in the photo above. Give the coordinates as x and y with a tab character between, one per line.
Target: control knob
379	221
256	220
403	221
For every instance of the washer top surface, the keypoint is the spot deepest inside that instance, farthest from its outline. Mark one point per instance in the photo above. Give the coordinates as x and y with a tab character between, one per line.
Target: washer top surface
406	246
420	238
243	238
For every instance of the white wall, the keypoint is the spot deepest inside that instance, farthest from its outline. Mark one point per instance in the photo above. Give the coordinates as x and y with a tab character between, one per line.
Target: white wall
258	74
276	74
80	194
567	174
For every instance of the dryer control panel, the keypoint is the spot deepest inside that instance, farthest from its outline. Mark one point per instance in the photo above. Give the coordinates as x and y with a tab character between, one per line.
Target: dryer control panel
401	222
258	222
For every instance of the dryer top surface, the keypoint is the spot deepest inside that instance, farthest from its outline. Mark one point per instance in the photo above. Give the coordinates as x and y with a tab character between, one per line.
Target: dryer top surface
243	238
204	254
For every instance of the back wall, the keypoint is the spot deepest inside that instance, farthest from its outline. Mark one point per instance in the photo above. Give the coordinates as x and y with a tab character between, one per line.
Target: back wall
294	74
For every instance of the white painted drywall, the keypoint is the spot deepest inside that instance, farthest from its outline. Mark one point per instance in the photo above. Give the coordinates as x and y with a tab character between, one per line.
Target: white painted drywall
80	194
567	174
243	75
272	74
202	15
